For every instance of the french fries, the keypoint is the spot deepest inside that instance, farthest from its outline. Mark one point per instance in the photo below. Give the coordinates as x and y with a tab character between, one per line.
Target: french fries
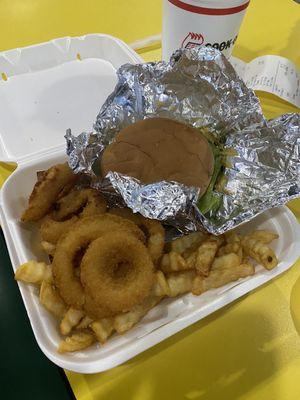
221	276
160	287
125	321
84	323
230	260
78	341
259	251
173	262
264	236
34	272
180	283
194	263
70	319
51	300
204	256
185	242
103	329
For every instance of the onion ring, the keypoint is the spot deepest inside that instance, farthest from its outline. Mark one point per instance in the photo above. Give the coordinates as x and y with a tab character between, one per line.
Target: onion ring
46	191
155	231
117	273
83	232
52	230
85	202
88	200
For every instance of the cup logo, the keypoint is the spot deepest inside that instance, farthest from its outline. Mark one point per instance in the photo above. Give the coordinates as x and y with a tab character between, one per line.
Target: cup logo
192	39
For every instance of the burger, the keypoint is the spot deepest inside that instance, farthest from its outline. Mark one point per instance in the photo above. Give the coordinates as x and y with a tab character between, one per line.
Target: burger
161	149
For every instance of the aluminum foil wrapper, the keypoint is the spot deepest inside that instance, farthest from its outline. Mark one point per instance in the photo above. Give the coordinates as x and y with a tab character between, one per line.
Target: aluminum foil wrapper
201	88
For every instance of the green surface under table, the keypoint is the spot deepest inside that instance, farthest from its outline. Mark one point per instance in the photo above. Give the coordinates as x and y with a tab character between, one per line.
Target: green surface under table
25	373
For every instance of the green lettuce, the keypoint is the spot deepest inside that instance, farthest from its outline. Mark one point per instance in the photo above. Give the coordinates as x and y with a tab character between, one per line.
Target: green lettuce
210	201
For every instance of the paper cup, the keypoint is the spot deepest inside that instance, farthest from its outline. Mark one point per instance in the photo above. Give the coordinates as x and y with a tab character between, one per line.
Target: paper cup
190	23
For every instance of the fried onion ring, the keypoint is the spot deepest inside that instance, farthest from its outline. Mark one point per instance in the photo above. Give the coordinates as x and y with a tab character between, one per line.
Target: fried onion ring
85	202
52	230
46	191
117	273
155	231
88	200
83	232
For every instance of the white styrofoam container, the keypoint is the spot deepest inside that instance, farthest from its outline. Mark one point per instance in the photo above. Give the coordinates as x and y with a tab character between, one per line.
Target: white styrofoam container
49	90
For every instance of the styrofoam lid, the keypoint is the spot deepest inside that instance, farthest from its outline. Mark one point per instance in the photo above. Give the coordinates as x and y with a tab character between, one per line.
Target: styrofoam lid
52	87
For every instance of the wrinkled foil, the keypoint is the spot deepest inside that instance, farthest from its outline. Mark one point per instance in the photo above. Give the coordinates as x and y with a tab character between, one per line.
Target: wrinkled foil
200	87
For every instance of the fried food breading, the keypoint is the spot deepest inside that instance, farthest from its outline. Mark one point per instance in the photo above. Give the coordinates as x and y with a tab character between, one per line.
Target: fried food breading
86	201
46	191
117	272
52	230
34	272
154	230
78	203
83	232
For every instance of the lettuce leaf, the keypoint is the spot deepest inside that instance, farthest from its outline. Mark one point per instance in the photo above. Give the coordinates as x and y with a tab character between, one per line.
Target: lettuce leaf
210	201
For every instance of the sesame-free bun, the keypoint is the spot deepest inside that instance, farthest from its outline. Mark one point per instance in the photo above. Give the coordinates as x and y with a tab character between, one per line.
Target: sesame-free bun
160	149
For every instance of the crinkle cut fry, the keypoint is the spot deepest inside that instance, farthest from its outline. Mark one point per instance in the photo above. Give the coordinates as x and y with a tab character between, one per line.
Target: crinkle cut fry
77	341
104	327
260	252
204	256
220	277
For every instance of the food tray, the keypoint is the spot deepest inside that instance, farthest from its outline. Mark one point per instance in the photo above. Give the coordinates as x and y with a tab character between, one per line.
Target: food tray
48	90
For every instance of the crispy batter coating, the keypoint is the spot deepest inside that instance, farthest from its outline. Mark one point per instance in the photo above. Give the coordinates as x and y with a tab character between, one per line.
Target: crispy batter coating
46	191
77	239
84	202
117	272
78	203
154	229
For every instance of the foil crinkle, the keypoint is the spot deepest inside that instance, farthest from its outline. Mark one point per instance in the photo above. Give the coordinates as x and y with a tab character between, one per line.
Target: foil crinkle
199	87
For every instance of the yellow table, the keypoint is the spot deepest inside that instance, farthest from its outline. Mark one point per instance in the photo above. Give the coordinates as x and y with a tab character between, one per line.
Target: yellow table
250	349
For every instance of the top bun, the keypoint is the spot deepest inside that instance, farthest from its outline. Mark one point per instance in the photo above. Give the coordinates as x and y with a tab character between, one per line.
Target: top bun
160	149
